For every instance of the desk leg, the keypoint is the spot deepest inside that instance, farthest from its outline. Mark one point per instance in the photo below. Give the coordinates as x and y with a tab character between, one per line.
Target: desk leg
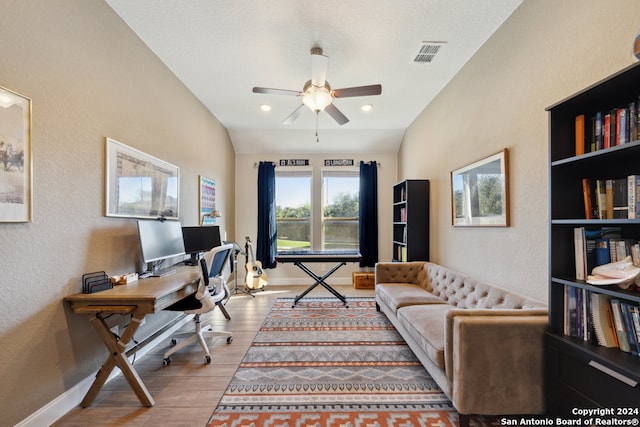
321	281
117	357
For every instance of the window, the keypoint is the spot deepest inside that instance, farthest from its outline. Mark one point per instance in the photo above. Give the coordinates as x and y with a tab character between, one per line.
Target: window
324	217
340	203
293	210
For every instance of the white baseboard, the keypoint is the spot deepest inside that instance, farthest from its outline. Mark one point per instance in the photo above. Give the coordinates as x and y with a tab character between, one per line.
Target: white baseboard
71	398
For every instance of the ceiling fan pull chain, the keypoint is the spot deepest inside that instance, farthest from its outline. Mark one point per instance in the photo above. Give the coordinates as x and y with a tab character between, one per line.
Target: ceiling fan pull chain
317	137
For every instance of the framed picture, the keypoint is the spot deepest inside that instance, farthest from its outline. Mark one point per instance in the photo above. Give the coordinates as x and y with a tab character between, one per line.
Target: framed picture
139	185
207	201
16	198
480	193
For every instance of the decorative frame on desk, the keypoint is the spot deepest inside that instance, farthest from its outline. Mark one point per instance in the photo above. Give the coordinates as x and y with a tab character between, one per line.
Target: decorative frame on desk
207	190
139	185
480	193
16	174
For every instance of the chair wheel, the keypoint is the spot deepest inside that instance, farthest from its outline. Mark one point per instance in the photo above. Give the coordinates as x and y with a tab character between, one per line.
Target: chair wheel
166	361
173	343
229	340
207	359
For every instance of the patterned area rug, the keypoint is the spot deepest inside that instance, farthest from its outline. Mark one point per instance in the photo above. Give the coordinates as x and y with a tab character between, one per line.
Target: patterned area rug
321	364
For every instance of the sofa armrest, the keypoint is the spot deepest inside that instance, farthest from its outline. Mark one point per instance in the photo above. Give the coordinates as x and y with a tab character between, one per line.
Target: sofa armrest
398	272
495	360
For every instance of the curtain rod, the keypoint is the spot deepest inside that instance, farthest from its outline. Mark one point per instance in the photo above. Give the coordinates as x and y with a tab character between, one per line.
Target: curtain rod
256	164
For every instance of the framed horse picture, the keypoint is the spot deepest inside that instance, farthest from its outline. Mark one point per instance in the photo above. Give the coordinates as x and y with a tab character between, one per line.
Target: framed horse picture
16	198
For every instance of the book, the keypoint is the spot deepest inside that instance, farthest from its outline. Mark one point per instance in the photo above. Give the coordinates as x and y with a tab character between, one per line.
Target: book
603	253
628	323
606	131
620	198
612	127
580	141
580	253
588	199
635	316
602	320
571	311
590	236
621	332
598	131
609	198
633	196
633	122
637	136
622	128
601	198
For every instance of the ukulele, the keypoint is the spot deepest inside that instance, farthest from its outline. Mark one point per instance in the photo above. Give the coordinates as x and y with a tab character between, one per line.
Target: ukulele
255	277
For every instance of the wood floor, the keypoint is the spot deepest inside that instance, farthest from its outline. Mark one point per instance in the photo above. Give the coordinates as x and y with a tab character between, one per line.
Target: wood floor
187	391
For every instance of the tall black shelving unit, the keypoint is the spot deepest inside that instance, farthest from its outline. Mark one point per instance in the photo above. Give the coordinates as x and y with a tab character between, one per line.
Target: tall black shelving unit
411	220
581	373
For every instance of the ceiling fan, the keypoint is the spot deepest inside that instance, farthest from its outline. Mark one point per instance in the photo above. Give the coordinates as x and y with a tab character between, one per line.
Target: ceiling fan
317	94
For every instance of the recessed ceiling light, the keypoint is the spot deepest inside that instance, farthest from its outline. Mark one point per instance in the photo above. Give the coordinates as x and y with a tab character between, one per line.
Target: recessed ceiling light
265	107
366	107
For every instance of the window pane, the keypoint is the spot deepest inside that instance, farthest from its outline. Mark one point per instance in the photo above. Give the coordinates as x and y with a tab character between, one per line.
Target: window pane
293	210
340	225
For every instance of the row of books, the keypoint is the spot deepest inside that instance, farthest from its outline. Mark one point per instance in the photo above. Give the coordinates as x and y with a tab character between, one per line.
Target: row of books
403	214
607	129
611	198
599	246
601	319
401	253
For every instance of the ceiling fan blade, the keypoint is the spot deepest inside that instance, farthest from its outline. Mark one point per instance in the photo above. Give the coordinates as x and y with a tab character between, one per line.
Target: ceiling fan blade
319	65
336	114
357	91
294	116
276	91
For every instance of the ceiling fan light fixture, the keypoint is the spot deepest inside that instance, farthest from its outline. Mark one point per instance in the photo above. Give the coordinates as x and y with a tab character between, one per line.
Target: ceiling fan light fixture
316	98
265	107
367	107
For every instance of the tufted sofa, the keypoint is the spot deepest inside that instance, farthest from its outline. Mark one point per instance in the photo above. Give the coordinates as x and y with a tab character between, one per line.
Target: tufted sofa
482	344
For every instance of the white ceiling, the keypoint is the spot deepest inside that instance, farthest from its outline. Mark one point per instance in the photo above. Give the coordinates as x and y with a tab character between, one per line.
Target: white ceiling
221	49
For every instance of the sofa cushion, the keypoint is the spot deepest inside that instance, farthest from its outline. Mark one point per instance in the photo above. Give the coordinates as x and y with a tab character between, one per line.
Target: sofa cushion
396	295
425	324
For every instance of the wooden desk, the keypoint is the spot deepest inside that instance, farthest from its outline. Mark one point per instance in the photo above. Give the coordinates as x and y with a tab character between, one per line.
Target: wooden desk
137	299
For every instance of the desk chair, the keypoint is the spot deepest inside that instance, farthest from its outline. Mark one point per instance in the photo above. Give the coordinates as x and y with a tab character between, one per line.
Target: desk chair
212	290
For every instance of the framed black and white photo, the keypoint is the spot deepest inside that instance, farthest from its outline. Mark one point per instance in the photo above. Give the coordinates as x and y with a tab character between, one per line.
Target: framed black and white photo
480	193
16	198
139	185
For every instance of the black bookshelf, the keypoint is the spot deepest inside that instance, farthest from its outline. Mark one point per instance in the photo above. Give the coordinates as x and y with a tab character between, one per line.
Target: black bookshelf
579	372
411	220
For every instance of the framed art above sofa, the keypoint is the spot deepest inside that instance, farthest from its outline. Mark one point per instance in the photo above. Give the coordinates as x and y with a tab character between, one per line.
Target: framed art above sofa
480	192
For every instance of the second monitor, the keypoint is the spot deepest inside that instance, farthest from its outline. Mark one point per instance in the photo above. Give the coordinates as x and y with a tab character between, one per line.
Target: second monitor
200	239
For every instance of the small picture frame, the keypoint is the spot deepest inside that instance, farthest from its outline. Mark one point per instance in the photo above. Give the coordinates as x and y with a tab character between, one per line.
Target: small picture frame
480	193
16	174
139	185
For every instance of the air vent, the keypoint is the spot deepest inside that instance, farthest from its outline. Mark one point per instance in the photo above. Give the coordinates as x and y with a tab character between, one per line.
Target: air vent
427	51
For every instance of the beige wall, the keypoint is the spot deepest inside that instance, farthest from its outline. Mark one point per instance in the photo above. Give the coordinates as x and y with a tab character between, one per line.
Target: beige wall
89	77
247	201
546	51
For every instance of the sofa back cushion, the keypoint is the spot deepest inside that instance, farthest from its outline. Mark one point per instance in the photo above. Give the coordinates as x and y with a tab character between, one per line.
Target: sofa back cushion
463	291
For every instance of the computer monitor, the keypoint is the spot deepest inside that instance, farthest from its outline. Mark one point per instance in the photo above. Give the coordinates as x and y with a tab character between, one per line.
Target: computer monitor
200	239
159	240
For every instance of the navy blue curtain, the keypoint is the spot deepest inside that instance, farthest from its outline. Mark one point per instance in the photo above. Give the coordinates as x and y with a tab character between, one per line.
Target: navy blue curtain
267	244
368	213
